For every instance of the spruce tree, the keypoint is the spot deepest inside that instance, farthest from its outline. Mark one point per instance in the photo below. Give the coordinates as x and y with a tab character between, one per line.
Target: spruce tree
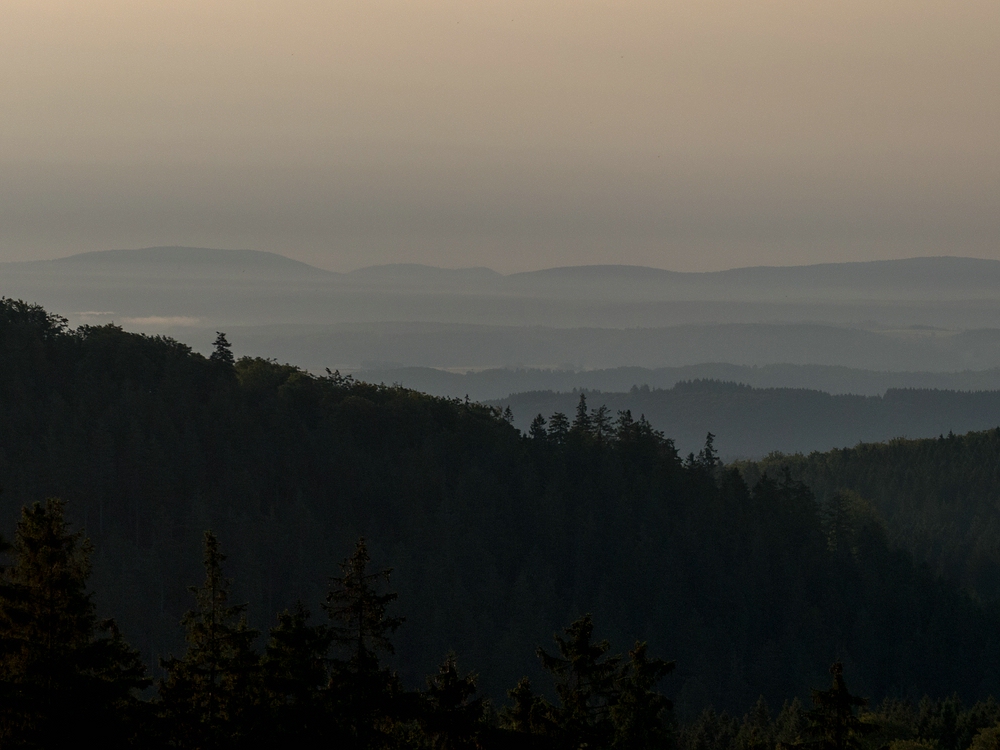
222	351
582	422
641	716
558	428
529	714
452	717
832	724
584	675
296	677
211	697
369	694
600	420
65	677
537	429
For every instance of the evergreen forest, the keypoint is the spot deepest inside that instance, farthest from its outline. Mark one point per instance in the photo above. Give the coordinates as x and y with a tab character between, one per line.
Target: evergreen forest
211	552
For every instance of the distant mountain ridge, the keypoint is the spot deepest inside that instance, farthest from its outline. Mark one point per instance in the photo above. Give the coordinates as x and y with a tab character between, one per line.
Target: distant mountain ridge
178	260
914	314
923	274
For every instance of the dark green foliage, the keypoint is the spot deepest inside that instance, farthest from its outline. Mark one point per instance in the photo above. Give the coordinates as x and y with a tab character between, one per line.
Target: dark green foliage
211	697
537	430
833	723
223	351
640	715
369	694
498	539
64	677
937	499
604	701
582	421
453	717
297	680
584	675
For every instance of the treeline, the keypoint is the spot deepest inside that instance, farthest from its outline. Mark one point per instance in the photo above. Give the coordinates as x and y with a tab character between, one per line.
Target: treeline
754	421
67	678
499	538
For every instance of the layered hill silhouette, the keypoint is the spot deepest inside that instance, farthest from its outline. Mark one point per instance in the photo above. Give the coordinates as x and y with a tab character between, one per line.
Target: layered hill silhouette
920	314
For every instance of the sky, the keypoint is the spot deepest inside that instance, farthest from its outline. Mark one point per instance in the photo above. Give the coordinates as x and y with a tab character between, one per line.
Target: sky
515	135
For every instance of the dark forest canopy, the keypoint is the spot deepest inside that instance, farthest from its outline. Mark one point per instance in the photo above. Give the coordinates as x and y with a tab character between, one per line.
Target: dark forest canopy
938	498
498	539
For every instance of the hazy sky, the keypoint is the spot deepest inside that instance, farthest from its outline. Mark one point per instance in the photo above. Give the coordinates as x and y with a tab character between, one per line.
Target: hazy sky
687	135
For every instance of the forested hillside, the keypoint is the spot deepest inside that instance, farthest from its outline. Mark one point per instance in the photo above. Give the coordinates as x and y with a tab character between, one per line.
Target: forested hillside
939	498
497	539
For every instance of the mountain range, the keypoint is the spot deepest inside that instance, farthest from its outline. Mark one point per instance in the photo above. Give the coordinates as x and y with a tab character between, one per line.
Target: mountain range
920	314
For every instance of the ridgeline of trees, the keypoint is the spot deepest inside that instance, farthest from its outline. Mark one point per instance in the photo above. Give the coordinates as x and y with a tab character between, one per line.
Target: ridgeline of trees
754	421
499	539
68	679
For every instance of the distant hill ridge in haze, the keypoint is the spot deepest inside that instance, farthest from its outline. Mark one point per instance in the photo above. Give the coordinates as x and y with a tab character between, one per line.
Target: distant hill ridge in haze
582	316
911	275
183	260
498	383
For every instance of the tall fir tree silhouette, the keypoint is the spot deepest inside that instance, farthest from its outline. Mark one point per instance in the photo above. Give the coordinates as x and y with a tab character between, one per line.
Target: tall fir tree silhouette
296	677
211	696
65	678
222	350
453	717
584	675
833	723
370	695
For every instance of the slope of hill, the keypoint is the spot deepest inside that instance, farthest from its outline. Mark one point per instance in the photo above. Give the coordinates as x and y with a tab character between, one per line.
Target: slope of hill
179	263
940	497
497	540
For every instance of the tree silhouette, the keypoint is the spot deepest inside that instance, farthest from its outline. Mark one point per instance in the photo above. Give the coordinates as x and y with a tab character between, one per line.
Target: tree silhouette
369	693
453	716
584	675
222	350
639	713
296	677
832	724
211	696
60	681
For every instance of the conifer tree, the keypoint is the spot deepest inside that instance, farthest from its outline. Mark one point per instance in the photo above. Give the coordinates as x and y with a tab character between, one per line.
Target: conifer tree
529	714
60	681
211	696
601	422
582	422
639	713
584	674
370	696
624	426
832	724
296	677
558	427
453	717
537	429
222	350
